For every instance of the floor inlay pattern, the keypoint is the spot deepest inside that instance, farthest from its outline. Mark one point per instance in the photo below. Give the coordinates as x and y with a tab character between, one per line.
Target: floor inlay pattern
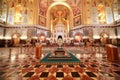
24	66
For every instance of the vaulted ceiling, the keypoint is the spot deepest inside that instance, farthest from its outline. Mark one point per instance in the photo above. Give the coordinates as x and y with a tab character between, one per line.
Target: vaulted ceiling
60	11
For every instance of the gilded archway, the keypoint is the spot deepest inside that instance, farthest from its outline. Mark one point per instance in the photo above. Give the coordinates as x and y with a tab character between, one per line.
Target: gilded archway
69	22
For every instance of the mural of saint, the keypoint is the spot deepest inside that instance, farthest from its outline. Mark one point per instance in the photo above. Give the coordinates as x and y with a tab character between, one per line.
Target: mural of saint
77	21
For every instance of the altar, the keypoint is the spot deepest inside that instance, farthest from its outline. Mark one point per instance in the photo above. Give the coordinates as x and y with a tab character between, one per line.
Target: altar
59	52
60	55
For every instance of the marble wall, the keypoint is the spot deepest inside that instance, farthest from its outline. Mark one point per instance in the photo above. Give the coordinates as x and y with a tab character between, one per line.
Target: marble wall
1	32
25	32
118	32
94	32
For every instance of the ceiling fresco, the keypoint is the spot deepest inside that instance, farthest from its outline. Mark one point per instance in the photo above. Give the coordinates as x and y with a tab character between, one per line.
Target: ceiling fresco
60	11
35	11
74	4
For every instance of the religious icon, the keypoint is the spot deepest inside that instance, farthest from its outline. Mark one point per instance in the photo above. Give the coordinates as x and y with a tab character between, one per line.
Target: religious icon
77	21
42	21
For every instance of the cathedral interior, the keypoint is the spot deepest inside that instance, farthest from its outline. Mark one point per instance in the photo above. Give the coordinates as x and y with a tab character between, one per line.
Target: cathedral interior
60	39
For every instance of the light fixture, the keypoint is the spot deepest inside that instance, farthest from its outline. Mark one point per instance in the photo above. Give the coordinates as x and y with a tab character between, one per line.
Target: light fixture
1	37
96	37
23	37
7	37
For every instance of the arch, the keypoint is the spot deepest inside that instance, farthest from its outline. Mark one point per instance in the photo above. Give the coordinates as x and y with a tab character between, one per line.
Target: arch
48	23
60	37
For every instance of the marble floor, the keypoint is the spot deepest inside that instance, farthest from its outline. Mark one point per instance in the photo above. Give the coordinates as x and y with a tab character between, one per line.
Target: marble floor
19	63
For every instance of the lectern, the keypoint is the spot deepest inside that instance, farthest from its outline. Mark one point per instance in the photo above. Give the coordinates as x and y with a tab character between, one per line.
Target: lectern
38	51
112	52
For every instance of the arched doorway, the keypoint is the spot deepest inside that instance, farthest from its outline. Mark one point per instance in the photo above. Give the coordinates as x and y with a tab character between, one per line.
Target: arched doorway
59	20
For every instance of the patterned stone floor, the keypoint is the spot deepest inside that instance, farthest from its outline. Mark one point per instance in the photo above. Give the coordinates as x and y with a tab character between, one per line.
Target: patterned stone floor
20	64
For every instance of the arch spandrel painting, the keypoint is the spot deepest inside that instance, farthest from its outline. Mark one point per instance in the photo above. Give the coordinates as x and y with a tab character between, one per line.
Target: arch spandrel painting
42	11
76	11
77	20
42	21
43	5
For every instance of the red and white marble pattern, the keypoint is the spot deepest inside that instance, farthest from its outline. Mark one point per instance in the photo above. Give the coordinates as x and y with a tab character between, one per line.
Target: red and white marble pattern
17	65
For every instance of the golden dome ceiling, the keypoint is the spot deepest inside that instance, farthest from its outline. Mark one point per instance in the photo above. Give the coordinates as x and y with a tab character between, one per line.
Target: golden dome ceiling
59	11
